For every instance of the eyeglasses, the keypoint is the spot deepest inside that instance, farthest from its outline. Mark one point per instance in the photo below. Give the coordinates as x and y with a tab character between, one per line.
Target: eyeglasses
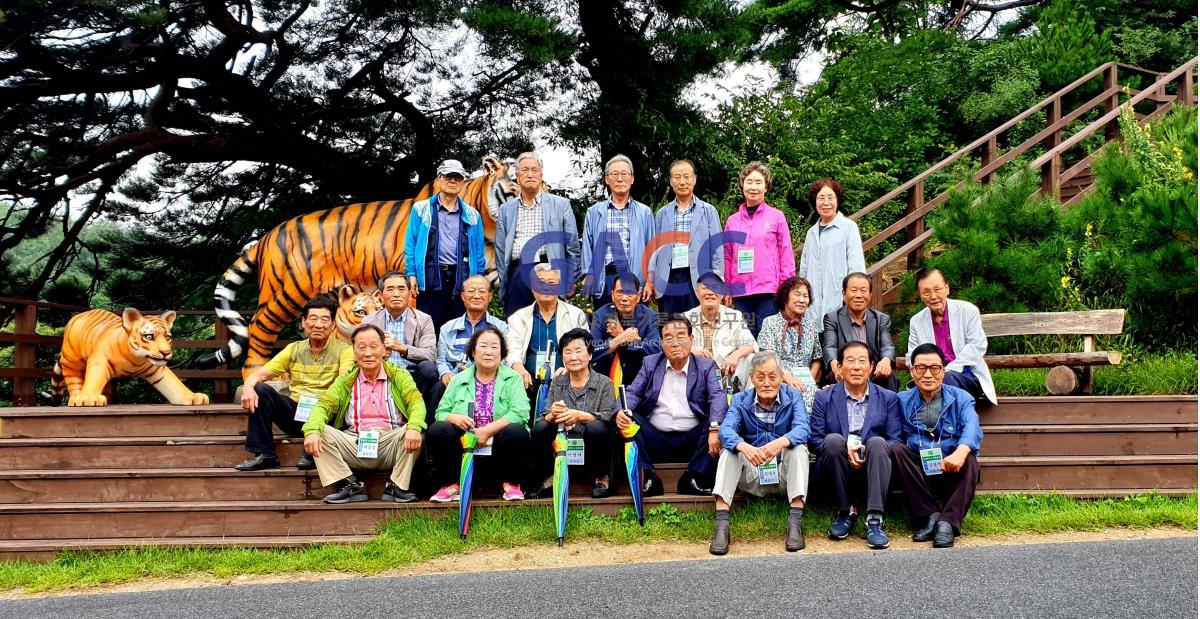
920	370
318	320
932	292
619	174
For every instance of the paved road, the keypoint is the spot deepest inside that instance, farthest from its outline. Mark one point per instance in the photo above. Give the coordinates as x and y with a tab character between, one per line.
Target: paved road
1154	578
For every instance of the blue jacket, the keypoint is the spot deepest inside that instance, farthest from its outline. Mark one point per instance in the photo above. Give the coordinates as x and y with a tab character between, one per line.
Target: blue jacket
740	424
558	219
451	358
705	396
959	424
830	416
596	241
422	226
631	355
706	254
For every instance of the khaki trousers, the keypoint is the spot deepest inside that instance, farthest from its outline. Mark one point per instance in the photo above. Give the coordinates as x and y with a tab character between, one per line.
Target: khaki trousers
339	454
734	472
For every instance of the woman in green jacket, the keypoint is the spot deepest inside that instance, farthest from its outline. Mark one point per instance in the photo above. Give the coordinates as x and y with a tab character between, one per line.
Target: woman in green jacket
500	420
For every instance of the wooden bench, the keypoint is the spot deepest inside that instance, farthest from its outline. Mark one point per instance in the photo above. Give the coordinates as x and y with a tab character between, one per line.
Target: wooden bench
1062	379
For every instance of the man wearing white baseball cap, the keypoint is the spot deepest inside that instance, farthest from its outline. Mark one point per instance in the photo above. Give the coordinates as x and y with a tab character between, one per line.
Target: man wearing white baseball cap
443	246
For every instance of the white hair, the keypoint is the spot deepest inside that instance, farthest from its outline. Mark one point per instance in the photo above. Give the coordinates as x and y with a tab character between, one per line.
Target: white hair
761	357
529	155
618	159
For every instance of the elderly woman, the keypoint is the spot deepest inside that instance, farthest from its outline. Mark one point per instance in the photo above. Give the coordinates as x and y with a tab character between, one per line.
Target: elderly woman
582	400
500	420
721	334
795	336
755	266
832	248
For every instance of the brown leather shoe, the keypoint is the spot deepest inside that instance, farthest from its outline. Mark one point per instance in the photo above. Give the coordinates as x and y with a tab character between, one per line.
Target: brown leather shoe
795	534
720	540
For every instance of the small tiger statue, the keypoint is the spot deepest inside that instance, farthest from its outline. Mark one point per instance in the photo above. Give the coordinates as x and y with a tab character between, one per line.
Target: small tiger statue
353	306
98	346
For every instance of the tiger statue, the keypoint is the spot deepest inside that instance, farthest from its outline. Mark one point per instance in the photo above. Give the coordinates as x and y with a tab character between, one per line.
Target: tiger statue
352	244
99	346
353	306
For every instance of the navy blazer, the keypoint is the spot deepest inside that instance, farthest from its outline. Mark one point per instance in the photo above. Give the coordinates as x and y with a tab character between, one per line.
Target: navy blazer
704	393
829	415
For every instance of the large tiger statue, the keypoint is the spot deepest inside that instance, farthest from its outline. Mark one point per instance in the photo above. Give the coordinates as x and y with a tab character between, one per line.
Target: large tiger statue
99	346
352	244
353	306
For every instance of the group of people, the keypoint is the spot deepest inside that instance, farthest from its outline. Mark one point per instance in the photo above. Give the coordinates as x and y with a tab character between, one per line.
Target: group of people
746	366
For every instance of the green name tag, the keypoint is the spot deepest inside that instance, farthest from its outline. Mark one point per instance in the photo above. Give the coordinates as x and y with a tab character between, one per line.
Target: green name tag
304	407
745	261
574	452
931	460
368	444
768	472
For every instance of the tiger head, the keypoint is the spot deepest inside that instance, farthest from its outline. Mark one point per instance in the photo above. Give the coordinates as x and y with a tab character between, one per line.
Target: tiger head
504	186
353	306
149	336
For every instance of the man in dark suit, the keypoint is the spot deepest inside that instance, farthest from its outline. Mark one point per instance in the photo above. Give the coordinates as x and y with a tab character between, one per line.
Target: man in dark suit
679	404
852	427
855	322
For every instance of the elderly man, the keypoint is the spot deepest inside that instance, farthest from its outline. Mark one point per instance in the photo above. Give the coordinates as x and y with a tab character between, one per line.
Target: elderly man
408	333
443	246
955	327
722	334
854	321
763	439
533	227
615	233
375	417
534	331
624	332
313	363
453	338
679	405
679	266
853	426
936	461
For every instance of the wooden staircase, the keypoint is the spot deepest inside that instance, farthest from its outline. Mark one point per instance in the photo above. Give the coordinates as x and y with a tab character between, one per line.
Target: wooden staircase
161	475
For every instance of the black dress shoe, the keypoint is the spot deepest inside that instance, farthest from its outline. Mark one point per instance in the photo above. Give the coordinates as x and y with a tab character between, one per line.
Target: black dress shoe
306	462
720	541
925	533
350	491
943	536
258	463
544	492
652	485
795	535
600	490
393	494
688	485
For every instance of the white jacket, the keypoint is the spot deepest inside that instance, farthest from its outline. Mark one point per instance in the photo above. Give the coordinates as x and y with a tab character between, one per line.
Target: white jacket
966	335
520	328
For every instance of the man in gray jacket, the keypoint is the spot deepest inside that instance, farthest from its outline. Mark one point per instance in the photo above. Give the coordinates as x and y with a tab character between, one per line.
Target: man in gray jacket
408	333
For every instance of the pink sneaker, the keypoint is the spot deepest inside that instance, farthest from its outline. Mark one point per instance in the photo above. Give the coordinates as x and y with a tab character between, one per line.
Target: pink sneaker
446	494
512	492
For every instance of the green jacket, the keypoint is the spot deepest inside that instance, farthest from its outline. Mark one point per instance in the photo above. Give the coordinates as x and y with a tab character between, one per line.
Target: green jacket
336	400
511	402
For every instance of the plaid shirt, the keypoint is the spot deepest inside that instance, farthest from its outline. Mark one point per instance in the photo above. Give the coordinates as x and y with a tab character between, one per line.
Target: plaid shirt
618	223
856	412
767	416
529	225
683	219
395	326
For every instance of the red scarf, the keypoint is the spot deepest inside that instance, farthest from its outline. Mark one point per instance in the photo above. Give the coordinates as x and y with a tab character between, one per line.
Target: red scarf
798	323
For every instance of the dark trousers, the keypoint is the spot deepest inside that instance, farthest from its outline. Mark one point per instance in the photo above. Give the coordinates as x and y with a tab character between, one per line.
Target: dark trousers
442	304
691	447
756	308
273	409
517	293
966	381
597	448
679	297
425	375
948	493
851	485
509	460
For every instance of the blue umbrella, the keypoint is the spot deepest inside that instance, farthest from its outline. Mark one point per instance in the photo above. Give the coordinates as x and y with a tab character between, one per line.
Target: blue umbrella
632	468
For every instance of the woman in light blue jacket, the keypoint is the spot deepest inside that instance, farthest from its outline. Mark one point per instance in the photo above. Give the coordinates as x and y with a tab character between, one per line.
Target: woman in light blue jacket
832	249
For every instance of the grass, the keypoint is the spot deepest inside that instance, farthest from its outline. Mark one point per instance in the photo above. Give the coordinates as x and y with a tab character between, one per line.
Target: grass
420	537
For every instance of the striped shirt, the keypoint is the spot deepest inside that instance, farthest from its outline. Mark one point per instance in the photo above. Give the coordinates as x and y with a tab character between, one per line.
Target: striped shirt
766	415
311	374
618	224
395	326
529	225
856	412
684	218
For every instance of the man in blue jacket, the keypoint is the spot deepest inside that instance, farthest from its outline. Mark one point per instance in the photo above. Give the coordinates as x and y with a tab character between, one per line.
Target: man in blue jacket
625	331
853	425
443	246
936	460
763	437
679	404
695	250
616	232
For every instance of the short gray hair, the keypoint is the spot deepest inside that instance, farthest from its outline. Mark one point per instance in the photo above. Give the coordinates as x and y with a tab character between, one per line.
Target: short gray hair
528	155
762	357
618	159
544	267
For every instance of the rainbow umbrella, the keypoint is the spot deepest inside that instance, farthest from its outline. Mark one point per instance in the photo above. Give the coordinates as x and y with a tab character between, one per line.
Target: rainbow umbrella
543	375
562	483
615	373
466	478
632	468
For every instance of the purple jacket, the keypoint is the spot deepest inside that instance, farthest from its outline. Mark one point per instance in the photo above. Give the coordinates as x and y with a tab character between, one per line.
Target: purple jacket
768	235
705	396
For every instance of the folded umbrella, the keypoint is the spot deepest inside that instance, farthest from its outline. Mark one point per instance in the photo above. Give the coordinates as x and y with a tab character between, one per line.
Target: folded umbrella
467	477
632	455
562	483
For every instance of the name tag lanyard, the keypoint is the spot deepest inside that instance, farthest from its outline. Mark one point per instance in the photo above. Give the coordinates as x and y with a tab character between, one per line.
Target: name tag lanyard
935	441
356	404
768	472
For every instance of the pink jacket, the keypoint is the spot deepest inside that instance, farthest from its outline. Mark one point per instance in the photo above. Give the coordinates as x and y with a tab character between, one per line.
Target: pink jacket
768	235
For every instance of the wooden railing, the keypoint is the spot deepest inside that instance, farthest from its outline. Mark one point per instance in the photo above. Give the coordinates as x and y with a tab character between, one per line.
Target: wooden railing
25	339
1050	164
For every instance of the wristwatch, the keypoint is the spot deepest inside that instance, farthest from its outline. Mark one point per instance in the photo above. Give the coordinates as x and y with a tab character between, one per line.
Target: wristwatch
714	426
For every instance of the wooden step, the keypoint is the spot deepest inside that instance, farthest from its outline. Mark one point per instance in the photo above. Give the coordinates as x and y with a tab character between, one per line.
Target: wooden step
1056	410
134	451
1087	472
1090	439
47	521
47	550
133	420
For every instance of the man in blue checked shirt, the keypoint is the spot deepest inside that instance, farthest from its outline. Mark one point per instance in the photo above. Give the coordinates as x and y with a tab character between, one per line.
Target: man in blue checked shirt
452	341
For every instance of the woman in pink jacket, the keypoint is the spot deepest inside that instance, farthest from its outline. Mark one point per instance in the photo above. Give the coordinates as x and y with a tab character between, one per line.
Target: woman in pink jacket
758	249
